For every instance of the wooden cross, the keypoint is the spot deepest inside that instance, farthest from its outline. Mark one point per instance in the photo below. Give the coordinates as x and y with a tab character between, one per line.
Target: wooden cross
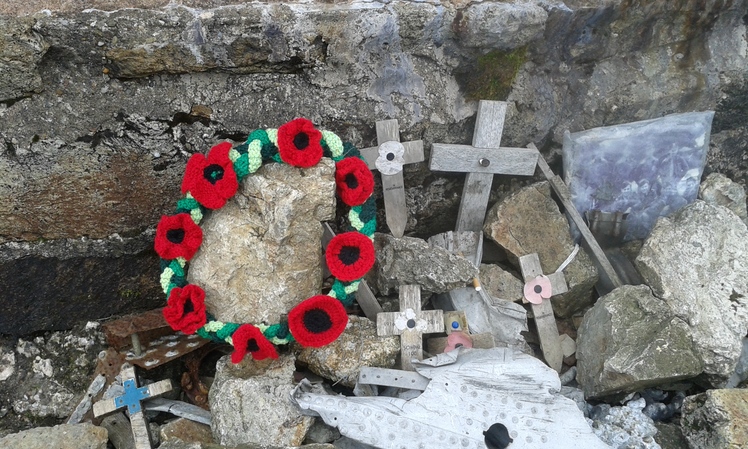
132	399
389	158
550	342
481	160
410	323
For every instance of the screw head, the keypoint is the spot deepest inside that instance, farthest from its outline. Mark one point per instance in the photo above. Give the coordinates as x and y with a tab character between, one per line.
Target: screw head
484	162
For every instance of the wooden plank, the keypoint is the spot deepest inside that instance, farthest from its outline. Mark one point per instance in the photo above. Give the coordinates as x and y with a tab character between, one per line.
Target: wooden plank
607	273
545	320
392	378
140	432
104	407
370	155
413	152
489	124
464	158
475	193
558	283
411	343
387	130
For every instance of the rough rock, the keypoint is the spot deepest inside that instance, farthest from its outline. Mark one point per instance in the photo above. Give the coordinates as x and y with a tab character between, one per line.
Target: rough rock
410	260
716	419
56	284
50	376
7	364
250	403
358	346
21	49
500	283
630	340
261	253
626	427
321	433
64	436
670	436
693	261
720	190
182	429
529	221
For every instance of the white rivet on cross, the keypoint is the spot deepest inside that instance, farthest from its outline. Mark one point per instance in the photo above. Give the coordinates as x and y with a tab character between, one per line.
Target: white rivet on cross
410	323
131	399
481	160
550	342
389	158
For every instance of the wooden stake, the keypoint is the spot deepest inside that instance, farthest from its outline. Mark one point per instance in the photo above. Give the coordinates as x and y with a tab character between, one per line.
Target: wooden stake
393	186
410	323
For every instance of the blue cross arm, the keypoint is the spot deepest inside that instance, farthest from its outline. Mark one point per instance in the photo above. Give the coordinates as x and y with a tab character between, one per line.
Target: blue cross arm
132	397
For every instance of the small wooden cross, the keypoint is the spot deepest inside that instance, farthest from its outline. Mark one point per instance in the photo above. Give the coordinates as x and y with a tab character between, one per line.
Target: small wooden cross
532	273
481	160
132	399
410	323
389	158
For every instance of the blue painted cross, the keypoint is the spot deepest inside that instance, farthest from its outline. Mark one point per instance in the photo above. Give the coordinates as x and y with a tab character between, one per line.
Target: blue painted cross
132	398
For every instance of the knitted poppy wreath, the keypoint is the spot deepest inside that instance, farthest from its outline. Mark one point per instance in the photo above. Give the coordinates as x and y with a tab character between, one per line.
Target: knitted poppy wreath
211	181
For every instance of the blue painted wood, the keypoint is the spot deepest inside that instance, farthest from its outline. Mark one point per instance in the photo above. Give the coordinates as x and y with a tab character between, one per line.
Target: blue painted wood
132	397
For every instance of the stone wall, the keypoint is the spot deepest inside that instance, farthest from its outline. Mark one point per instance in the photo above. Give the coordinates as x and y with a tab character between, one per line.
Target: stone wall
102	102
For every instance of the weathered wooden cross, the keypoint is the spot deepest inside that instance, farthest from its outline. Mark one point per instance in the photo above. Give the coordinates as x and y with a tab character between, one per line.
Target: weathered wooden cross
389	158
132	399
410	323
481	160
538	291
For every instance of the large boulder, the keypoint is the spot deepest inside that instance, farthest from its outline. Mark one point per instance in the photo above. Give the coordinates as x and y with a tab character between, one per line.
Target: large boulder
529	221
250	403
630	341
410	260
262	253
720	190
693	260
716	419
64	436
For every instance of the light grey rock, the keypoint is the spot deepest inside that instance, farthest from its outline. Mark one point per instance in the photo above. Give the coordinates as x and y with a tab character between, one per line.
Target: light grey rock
475	388
720	190
630	340
626	427
7	363
21	50
261	253
501	25
500	283
716	419
693	261
410	260
529	221
250	403
183	429
64	436
670	436
357	346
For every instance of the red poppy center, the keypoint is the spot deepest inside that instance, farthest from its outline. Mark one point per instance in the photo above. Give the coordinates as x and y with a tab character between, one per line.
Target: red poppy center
213	173
175	235
252	345
538	289
349	254
301	141
188	307
317	321
351	181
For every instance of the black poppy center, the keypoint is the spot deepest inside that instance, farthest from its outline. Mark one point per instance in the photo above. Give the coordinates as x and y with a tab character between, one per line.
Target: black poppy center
349	254
317	321
390	156
351	181
188	307
538	289
411	323
213	173
301	141
252	345
175	235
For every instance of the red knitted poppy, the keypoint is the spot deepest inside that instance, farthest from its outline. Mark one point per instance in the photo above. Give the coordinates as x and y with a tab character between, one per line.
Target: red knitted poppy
299	143
317	321
177	236
211	180
354	181
349	256
185	309
249	338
